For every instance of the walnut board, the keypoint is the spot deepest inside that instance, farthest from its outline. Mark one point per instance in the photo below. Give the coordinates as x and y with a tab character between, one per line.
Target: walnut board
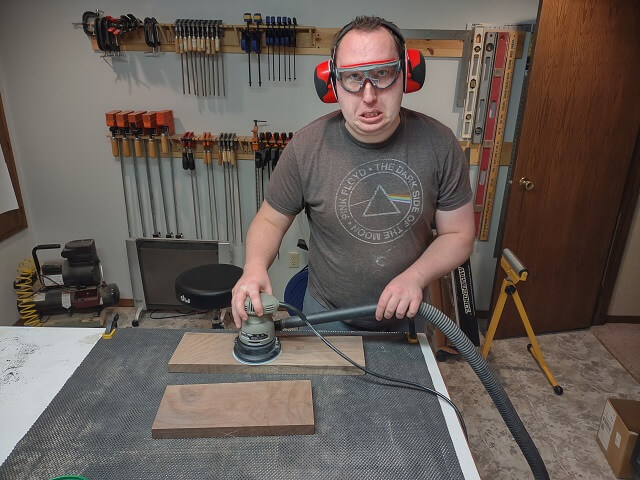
235	410
213	353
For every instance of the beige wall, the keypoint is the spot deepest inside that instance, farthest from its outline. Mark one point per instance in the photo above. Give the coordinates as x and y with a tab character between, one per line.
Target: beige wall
626	294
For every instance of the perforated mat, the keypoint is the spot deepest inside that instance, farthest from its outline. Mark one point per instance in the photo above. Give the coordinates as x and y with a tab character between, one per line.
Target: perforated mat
99	424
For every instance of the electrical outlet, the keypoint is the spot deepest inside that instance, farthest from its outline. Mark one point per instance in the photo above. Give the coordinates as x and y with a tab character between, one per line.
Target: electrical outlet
294	259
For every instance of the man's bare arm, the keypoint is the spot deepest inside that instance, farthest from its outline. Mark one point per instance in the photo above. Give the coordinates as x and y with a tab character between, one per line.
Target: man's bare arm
451	247
263	240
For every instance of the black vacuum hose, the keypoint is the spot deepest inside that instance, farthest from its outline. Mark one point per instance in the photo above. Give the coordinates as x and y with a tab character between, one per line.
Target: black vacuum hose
469	352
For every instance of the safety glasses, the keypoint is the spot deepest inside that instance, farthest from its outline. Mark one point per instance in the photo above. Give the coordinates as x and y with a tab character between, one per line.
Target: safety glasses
380	74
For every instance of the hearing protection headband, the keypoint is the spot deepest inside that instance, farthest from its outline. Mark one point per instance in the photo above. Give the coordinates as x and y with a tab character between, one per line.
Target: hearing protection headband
412	67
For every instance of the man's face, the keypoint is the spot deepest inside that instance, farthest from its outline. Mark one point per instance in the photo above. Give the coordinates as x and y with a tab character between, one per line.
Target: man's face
371	114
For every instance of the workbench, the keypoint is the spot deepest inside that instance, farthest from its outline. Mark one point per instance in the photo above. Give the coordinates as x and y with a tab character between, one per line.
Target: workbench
73	403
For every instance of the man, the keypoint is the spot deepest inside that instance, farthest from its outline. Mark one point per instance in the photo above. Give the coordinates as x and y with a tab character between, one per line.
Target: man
374	178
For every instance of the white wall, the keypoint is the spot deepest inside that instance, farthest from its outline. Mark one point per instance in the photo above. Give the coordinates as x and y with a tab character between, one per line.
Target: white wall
625	300
56	91
17	247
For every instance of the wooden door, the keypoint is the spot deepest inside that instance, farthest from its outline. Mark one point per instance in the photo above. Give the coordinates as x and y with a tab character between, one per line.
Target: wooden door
576	139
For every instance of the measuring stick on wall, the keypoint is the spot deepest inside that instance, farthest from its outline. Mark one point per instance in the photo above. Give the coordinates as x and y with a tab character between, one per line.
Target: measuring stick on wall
496	153
473	83
490	125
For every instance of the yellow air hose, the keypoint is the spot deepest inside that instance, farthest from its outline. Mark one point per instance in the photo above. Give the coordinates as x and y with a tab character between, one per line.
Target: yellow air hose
24	291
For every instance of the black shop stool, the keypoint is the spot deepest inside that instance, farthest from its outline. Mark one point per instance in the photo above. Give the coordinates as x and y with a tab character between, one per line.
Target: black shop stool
208	287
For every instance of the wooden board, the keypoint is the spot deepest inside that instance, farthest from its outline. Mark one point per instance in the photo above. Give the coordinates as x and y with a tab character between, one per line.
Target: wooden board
213	353
235	410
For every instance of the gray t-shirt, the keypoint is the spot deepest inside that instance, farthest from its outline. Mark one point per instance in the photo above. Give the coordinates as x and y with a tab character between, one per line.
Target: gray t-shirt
371	206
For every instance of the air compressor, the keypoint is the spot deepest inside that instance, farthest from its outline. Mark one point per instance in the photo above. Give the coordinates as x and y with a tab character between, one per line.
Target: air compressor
71	284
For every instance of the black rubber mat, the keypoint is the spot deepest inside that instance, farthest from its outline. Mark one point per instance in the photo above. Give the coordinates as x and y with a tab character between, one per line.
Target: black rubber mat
99	424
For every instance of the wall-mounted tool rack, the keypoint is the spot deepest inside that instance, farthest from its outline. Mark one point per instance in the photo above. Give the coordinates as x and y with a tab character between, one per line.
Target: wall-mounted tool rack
309	41
245	149
244	145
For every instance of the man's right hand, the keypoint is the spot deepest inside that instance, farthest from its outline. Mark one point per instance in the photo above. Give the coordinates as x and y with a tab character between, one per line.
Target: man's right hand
250	284
263	240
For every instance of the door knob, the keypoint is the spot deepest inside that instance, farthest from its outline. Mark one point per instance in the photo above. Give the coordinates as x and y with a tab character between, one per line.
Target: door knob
526	184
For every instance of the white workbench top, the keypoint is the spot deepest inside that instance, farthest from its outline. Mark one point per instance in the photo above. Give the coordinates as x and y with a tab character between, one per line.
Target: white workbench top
35	362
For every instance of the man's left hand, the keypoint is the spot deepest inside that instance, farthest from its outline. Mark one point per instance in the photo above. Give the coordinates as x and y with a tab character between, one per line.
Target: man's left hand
401	297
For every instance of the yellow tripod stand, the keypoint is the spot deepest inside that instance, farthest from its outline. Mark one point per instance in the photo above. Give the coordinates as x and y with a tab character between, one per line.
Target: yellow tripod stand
516	272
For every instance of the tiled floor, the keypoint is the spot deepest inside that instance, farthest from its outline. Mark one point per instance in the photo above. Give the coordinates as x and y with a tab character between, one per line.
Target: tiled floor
563	427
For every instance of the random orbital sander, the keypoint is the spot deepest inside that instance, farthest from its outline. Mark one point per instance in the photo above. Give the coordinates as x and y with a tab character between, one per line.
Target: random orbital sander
256	343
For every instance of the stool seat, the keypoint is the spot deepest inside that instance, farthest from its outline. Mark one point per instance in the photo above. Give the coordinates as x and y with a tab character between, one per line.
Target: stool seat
207	287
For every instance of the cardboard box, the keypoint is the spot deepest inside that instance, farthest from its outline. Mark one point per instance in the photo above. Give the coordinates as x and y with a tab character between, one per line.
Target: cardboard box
618	434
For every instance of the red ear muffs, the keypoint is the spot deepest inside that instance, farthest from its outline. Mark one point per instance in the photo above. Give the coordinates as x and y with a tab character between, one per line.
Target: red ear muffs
322	79
414	76
415	71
